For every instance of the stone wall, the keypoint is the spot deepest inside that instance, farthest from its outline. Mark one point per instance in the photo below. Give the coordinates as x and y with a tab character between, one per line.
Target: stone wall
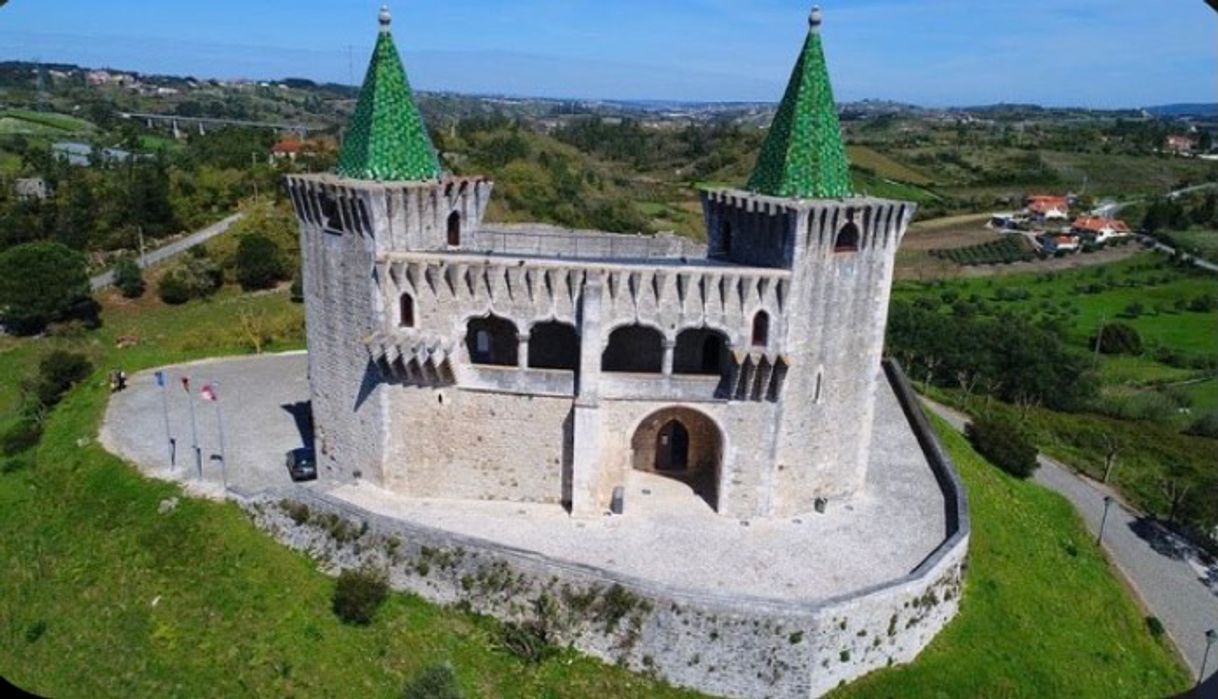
729	645
446	443
540	240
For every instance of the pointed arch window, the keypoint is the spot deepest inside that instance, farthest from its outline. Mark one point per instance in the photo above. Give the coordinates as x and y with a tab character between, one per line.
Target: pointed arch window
406	311
454	229
761	329
848	236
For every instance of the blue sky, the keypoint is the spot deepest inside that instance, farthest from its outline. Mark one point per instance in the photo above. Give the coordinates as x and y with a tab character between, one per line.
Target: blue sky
1093	53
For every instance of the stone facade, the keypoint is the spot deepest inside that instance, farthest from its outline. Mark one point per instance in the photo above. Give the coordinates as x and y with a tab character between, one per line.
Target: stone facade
421	323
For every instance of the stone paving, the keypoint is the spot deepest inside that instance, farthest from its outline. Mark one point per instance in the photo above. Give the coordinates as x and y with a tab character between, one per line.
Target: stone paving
668	534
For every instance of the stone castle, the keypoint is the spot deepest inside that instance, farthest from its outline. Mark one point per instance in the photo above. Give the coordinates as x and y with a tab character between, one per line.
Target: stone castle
455	359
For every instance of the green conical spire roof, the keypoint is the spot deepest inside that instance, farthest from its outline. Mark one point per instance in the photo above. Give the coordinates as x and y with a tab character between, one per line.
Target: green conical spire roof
803	156
386	138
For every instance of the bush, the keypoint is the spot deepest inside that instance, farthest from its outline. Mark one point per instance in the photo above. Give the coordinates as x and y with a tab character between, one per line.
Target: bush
529	642
197	277
16	463
20	437
434	682
1003	445
358	594
129	278
1134	310
1204	426
1155	627
41	283
259	263
58	372
1118	338
173	289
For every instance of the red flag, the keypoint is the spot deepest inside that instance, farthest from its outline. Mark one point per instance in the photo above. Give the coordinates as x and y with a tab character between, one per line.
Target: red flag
209	394
186	384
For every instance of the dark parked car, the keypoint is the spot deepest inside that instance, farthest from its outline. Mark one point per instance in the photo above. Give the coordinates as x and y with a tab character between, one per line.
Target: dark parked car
302	465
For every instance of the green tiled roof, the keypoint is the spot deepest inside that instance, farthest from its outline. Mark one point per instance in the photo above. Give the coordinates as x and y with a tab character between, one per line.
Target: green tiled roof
803	156
386	138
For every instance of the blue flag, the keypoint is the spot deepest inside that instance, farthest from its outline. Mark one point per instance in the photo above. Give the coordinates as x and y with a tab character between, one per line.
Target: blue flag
160	379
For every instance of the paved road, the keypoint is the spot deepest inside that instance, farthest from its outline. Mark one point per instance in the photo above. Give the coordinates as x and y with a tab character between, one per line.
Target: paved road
172	250
1160	566
1198	262
1109	208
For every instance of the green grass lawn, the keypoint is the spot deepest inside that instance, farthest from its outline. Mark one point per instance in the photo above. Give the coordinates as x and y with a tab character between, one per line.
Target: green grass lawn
1124	370
1205	396
1041	615
106	597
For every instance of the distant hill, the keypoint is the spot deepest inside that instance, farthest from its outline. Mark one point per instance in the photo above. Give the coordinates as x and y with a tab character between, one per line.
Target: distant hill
1183	110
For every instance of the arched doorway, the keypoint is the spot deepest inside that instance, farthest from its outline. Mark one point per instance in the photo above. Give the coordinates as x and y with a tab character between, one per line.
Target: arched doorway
672	448
684	445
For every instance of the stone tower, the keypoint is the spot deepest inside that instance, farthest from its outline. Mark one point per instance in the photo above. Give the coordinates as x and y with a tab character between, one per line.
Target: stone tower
799	212
389	193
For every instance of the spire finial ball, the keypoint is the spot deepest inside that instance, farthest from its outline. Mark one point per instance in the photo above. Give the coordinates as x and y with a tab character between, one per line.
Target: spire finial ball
385	17
816	18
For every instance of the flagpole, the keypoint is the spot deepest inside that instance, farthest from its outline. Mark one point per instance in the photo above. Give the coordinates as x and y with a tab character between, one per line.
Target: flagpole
220	424
194	429
160	379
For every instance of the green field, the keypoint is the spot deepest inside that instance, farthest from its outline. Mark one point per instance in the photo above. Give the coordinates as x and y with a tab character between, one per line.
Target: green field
106	597
1145	279
19	121
884	166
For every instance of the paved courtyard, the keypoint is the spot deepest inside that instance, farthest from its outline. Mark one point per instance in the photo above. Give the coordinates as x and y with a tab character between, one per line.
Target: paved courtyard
668	533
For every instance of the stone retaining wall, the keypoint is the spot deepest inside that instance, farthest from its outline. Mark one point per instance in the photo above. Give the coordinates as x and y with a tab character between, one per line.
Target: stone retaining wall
729	645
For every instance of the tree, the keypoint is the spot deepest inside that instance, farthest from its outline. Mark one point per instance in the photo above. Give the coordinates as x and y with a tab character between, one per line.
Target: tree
1003	445
129	278
259	263
42	283
1118	338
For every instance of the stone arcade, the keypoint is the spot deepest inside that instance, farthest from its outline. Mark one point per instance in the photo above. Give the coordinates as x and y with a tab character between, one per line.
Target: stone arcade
455	359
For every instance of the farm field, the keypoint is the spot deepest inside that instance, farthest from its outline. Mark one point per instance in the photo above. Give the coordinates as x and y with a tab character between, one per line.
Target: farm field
884	166
1089	297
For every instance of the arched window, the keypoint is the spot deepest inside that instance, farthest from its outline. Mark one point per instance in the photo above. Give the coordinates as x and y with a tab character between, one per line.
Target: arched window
554	346
700	352
454	229
492	341
761	329
634	349
848	236
407	311
672	447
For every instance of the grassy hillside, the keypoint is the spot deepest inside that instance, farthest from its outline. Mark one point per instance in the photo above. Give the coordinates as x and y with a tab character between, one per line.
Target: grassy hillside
1041	615
201	603
885	166
19	121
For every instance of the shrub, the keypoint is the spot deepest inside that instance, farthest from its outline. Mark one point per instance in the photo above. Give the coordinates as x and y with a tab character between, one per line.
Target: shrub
129	278
1155	627
434	682
358	594
1118	338
1003	445
1134	310
1204	426
16	463
259	263
20	437
529	642
197	277
58	372
41	283
173	289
